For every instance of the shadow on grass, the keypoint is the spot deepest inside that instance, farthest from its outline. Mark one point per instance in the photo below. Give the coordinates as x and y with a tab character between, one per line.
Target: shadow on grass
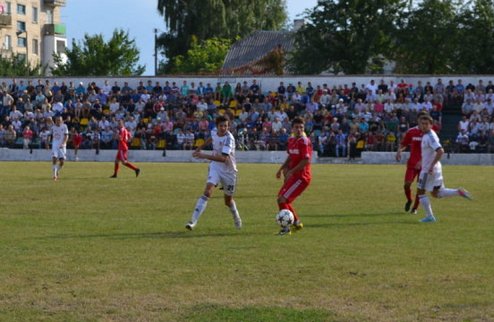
374	214
208	312
150	235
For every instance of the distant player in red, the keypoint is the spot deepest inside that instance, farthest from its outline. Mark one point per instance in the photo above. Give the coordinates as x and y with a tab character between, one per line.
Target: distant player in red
296	171
412	139
76	142
123	148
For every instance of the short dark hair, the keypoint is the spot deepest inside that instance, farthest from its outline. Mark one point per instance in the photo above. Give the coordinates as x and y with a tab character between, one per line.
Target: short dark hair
298	120
221	119
422	113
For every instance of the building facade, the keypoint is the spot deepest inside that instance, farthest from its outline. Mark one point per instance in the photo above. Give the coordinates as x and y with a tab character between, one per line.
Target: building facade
32	29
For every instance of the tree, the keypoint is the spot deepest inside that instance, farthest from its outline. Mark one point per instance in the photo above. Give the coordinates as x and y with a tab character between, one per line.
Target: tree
343	36
15	66
427	39
205	19
95	57
476	39
206	57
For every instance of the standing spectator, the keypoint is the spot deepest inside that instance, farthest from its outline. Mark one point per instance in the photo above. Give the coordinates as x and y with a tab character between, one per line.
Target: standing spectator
27	136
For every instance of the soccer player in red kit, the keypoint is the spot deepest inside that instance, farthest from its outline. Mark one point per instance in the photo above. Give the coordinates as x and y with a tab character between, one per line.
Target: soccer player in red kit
123	137
296	171
412	139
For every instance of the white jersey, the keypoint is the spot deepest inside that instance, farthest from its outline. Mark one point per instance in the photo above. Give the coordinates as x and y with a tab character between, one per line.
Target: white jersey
430	143
58	133
224	145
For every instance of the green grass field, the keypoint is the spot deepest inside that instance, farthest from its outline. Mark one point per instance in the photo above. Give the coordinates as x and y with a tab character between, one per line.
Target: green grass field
90	248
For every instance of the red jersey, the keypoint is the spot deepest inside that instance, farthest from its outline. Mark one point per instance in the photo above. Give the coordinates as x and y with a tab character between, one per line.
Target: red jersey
299	149
124	137
413	138
77	139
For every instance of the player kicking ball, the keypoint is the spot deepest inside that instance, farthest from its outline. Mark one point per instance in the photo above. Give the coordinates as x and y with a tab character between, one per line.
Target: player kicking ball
296	171
222	169
431	177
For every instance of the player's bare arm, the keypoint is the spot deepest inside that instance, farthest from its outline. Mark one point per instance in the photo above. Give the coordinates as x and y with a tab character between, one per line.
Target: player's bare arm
439	154
283	168
205	144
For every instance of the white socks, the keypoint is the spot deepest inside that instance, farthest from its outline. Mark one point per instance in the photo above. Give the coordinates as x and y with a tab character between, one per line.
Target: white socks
446	192
233	210
426	204
201	204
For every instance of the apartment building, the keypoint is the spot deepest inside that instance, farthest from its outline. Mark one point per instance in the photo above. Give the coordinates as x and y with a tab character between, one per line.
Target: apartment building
32	29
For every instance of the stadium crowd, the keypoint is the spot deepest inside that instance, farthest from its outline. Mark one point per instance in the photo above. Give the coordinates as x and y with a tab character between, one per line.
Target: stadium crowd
341	120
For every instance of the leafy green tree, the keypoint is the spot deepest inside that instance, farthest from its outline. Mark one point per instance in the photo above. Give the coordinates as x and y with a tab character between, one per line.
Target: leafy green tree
205	19
15	65
343	36
476	39
427	38
95	57
206	57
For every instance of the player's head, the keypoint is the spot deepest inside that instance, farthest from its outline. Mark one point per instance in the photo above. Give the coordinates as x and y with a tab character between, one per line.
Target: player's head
121	123
425	123
298	126
422	113
58	120
222	124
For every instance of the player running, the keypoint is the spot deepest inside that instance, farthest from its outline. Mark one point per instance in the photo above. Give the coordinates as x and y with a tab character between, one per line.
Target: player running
431	177
222	169
60	135
296	171
123	149
412	139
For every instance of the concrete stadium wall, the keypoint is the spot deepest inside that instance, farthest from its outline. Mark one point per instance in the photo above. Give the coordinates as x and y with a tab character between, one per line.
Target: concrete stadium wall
242	157
451	159
267	83
138	156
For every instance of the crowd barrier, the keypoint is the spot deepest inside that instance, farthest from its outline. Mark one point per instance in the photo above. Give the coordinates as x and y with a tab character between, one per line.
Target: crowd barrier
242	157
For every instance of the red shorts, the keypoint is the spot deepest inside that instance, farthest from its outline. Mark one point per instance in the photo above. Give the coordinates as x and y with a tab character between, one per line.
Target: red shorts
293	187
411	174
121	155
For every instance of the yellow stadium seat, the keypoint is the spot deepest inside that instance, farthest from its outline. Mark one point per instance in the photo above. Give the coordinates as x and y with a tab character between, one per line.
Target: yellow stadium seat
84	121
135	143
161	144
198	142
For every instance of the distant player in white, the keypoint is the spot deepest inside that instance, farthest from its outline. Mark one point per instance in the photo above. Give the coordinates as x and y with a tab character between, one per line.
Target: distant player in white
60	135
222	169
431	177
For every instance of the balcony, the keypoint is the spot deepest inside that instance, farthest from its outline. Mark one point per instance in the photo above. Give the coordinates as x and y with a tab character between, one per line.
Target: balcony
5	20
55	3
52	29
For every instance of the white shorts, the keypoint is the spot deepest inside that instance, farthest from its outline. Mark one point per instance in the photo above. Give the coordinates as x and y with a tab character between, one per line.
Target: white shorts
59	153
227	179
429	181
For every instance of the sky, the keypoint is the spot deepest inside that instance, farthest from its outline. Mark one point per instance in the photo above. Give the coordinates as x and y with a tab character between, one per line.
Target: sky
139	18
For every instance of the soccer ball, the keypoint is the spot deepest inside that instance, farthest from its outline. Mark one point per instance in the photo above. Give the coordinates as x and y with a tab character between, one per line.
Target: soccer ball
284	218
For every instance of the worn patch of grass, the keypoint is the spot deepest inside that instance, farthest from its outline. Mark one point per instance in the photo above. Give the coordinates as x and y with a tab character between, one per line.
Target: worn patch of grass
92	248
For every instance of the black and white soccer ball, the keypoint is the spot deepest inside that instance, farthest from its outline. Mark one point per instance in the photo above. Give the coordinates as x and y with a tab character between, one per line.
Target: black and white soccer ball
285	218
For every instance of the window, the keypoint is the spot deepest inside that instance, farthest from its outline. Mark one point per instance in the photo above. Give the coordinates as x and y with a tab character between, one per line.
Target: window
60	46
21	41
7	44
35	15
8	8
21	26
49	16
35	47
21	9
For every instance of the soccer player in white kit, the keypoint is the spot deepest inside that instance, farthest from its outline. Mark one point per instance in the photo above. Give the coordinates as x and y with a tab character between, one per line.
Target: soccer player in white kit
222	169
60	135
431	177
